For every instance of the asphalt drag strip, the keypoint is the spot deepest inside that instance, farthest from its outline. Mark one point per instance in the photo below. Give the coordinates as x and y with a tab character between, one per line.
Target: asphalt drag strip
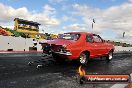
15	72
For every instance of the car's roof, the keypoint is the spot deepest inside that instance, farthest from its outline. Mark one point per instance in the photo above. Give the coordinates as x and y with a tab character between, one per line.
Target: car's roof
79	33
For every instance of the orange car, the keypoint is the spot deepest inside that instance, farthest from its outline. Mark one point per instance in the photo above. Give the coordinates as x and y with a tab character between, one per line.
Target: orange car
80	46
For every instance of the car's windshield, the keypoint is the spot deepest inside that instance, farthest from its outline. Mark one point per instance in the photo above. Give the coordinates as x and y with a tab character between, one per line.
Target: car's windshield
69	36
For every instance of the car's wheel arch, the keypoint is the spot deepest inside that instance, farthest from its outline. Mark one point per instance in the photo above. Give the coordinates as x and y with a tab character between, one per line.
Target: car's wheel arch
108	59
111	50
86	52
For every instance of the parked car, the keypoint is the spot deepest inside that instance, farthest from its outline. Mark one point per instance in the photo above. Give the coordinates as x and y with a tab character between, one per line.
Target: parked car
80	46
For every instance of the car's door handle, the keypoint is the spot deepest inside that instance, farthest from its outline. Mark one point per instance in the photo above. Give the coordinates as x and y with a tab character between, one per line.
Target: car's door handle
95	45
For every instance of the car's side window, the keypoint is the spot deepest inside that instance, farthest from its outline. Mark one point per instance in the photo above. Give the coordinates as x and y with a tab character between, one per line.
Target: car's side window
89	38
97	39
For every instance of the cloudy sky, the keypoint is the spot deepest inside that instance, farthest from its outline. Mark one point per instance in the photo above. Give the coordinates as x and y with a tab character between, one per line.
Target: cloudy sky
112	17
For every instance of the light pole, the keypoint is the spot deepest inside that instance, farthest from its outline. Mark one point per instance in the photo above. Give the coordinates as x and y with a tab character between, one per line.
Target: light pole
123	34
93	21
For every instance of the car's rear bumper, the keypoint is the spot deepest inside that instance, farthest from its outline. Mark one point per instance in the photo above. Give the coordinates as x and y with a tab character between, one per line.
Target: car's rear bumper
62	53
65	55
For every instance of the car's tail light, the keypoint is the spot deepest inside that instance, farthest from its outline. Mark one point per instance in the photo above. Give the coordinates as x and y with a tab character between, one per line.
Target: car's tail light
64	49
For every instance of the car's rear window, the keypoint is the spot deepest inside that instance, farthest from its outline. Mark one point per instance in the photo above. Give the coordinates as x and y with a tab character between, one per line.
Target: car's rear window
69	36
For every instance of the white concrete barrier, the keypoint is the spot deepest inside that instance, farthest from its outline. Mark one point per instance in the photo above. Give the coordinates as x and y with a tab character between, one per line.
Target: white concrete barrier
17	43
120	48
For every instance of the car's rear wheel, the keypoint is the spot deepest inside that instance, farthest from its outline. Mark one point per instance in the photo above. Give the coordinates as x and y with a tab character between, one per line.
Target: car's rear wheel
57	58
109	56
83	58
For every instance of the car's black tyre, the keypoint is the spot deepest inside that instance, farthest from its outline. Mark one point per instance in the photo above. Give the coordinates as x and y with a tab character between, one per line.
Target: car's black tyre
83	58
109	56
57	58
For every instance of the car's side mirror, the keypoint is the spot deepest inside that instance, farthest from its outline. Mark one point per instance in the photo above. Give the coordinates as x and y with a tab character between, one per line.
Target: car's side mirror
92	41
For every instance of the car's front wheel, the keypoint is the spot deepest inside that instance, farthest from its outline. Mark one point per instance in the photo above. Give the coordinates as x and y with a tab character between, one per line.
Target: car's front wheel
83	58
109	56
